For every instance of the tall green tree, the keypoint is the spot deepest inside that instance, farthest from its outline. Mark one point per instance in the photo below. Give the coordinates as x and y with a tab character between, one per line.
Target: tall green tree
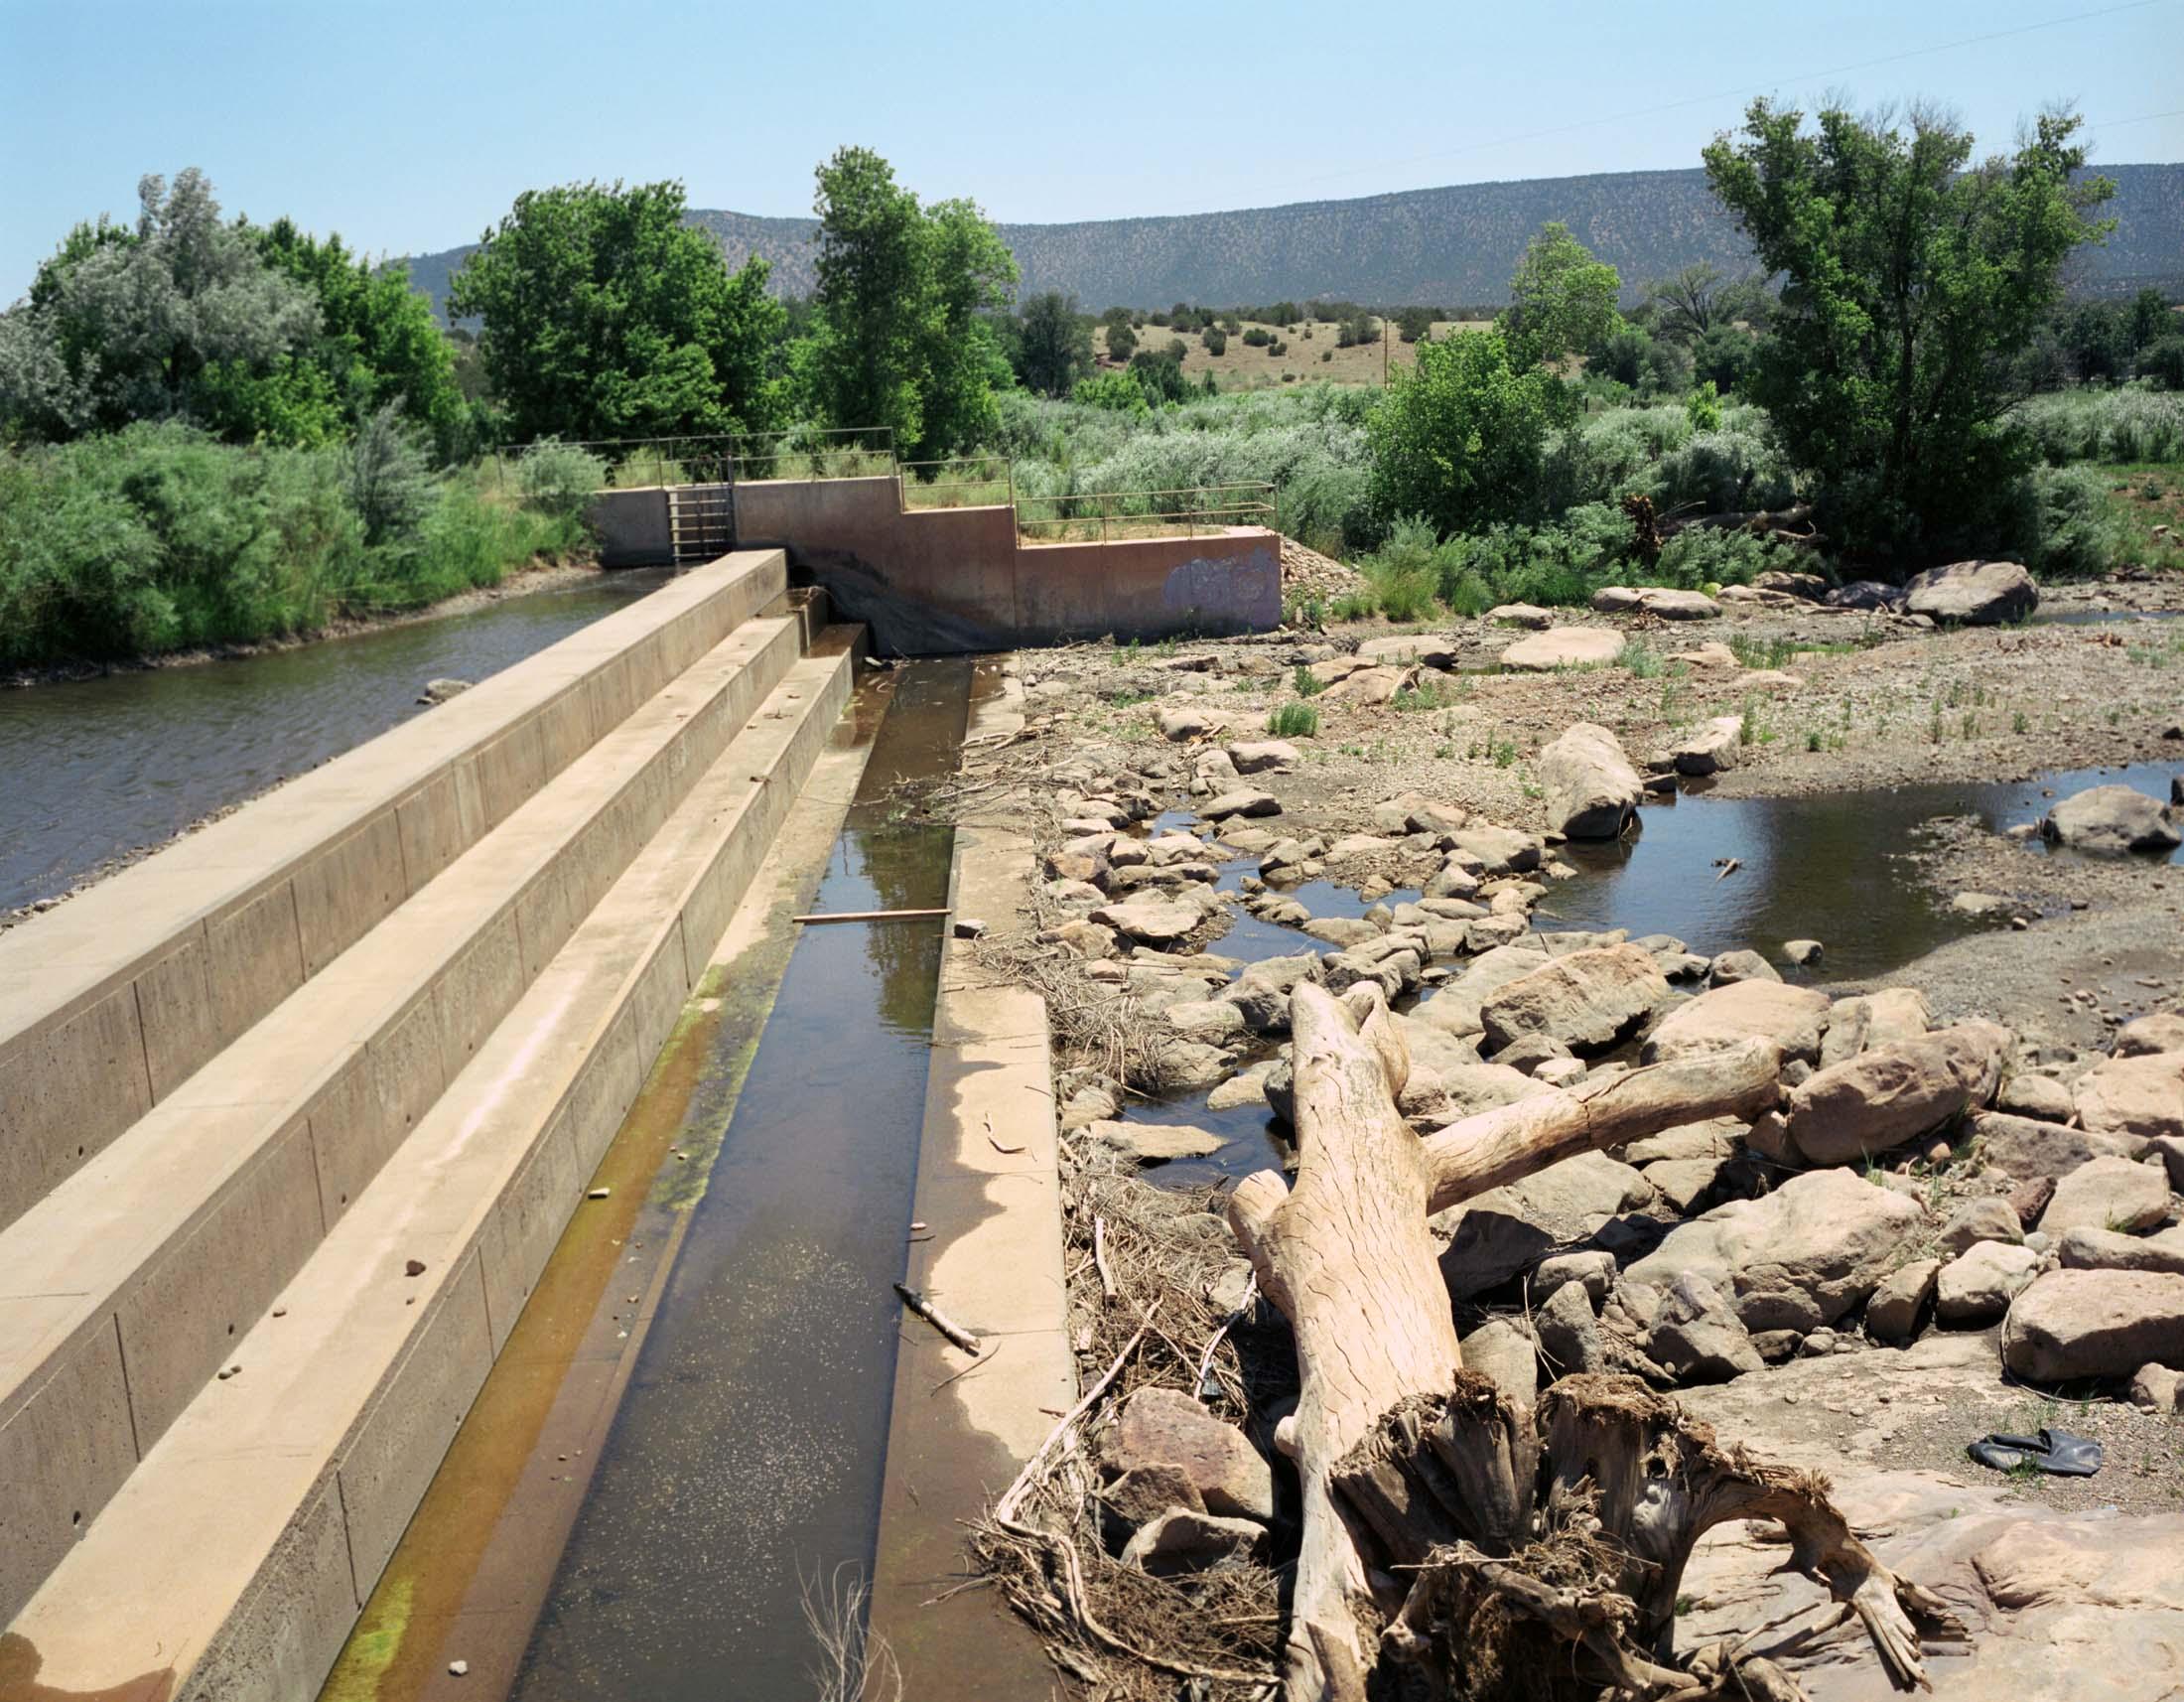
1055	344
607	316
1561	299
902	342
1699	299
1459	437
1910	275
378	343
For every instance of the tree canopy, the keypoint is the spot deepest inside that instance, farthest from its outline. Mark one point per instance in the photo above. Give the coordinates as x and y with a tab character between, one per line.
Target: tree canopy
1458	437
1910	275
903	340
176	318
606	317
1561	299
1054	344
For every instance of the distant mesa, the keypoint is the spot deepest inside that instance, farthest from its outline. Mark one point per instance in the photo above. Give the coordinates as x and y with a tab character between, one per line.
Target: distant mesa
1446	247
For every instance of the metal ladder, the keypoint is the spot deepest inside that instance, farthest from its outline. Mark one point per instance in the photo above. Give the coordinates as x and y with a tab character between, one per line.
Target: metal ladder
701	522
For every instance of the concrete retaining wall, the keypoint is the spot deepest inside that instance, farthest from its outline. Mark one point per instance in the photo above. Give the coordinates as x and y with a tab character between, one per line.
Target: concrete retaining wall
110	1001
945	581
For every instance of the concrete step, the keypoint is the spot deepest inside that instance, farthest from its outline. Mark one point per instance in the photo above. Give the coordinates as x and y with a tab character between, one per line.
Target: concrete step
108	1002
121	1290
234	1561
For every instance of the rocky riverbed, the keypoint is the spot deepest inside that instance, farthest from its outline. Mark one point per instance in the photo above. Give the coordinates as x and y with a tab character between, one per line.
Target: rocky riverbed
1963	1215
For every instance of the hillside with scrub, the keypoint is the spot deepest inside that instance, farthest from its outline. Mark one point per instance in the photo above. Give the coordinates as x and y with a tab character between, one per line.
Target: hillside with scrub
1456	244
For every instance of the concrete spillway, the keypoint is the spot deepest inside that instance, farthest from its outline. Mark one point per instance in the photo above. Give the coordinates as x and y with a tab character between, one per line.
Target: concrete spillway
293	1112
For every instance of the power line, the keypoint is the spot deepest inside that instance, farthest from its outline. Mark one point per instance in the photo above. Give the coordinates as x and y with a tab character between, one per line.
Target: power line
1753	89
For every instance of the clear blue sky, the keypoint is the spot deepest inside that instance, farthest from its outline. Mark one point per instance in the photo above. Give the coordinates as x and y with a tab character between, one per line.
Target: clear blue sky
409	127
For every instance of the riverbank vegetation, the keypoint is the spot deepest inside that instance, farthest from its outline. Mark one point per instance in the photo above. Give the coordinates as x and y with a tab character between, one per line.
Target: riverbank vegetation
214	432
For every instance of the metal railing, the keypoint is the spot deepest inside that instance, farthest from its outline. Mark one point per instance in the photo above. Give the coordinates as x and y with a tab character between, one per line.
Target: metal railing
1104	516
955	481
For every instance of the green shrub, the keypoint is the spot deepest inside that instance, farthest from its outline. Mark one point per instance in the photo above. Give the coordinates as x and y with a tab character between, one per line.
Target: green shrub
1257	337
559	479
1215	340
1116	392
1703	408
2063	524
1293	721
2163	362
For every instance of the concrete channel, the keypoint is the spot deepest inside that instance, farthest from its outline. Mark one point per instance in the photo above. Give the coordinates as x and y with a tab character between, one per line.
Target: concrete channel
689	1428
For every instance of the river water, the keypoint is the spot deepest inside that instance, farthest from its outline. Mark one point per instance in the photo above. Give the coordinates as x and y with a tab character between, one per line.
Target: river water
94	769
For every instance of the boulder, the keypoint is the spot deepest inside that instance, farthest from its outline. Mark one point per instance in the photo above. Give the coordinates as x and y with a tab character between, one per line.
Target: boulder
2040	1098
2026	1148
1803	952
1263	755
2108	1250
1593	1270
1978	1221
1713	748
1616	600
1506	1356
1156	1143
1525	615
1794	1018
1247	1088
1712	655
1976	1289
1588	1000
1476	1087
2110	821
1184	721
1807	586
1150	917
1369	685
1165	1427
2067	1325
1670	603
2109	1194
1143	1492
2164	1031
1183	1540
1972	593
1794	1259
1494	851
2156	1388
1696	1337
2141	1098
1891	1094
1262	992
1564	648
1243	800
1506	1230
1866	594
1591	789
1569	1335
1730	967
1892	1310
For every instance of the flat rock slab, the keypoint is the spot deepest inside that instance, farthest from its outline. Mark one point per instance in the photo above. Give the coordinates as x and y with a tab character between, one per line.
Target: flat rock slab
2073	1323
1564	648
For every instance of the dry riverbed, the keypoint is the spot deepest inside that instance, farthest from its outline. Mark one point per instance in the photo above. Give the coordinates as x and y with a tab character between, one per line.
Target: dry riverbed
1842	1284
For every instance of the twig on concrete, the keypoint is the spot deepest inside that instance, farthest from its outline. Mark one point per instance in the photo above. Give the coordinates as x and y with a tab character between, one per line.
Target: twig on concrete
933	1315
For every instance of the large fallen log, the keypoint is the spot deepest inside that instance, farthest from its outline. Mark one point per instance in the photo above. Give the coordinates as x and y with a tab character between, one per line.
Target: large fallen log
1437	1543
1508	1143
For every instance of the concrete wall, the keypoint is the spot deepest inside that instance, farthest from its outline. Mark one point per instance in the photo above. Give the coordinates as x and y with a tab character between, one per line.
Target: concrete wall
633	527
110	1001
935	581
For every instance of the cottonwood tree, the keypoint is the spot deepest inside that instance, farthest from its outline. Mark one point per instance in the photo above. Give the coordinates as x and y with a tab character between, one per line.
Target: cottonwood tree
901	340
1561	299
1699	299
1055	344
1459	437
606	316
1910	275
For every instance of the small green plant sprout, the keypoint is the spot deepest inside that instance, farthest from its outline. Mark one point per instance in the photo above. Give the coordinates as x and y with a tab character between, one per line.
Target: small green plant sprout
1306	682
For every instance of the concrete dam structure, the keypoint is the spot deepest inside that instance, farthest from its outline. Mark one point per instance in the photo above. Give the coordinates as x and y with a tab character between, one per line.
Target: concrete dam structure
294	1111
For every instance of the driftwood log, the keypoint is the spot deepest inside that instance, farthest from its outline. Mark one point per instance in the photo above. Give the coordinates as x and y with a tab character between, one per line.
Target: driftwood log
1455	1544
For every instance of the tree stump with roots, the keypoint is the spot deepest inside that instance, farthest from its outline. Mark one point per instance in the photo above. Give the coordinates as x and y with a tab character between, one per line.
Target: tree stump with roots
1456	1545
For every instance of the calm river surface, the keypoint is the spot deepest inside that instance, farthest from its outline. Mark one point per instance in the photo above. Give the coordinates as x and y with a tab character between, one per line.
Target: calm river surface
92	769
